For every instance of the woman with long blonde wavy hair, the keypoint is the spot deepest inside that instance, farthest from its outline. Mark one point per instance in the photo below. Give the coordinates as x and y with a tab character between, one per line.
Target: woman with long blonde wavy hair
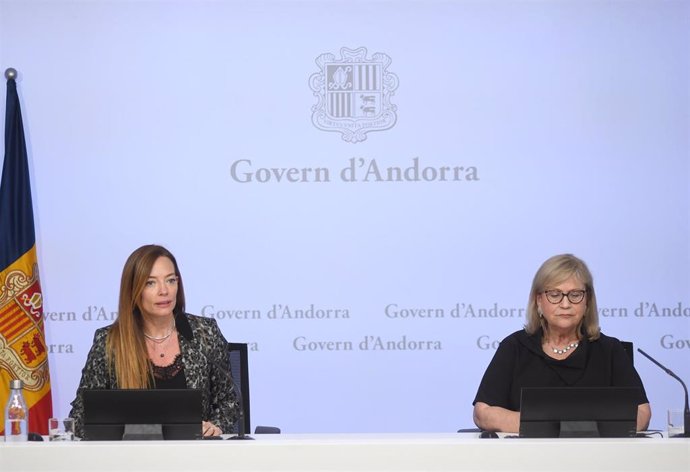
154	343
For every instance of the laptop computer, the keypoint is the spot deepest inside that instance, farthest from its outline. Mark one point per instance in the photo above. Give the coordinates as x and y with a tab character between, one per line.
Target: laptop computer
551	412
141	414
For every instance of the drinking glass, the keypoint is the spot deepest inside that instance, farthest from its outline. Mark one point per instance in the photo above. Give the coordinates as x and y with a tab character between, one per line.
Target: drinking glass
676	423
61	430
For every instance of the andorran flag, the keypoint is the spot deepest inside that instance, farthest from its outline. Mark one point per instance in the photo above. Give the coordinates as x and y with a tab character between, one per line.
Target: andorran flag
23	352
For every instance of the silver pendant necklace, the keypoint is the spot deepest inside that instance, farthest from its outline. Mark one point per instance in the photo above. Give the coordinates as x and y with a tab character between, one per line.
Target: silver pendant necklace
161	345
160	339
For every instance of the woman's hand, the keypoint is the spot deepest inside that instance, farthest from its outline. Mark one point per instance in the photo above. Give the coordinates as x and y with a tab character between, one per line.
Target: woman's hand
210	429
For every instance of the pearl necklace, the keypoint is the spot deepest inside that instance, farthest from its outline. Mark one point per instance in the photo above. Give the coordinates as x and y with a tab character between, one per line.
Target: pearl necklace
567	348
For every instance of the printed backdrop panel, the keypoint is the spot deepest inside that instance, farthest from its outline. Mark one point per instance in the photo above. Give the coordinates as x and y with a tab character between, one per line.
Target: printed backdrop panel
362	191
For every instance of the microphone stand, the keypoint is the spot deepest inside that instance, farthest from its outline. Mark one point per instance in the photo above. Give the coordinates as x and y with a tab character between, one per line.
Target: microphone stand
240	417
686	412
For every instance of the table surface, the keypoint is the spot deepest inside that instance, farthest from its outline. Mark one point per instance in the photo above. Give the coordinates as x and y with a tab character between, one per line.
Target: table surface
345	452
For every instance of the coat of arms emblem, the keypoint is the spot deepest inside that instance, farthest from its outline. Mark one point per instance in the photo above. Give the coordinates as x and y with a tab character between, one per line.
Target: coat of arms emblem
354	93
23	352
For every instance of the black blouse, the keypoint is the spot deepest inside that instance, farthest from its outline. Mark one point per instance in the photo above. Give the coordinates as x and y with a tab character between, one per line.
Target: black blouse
170	376
520	362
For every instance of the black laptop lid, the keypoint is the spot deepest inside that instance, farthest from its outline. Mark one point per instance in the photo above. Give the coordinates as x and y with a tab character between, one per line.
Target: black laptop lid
578	411
106	412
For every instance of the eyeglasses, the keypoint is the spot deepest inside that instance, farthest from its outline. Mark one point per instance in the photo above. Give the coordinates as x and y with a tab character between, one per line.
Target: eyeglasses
574	296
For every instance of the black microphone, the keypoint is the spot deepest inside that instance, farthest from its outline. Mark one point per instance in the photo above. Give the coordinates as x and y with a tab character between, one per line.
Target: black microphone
686	413
240	417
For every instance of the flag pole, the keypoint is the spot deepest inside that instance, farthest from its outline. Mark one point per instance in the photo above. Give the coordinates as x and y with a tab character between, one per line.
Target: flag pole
24	351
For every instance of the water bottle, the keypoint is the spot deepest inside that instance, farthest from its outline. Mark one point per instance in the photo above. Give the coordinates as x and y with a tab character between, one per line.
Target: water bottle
16	414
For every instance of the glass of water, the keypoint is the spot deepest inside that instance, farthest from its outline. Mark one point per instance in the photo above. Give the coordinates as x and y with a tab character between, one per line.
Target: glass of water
61	430
676	423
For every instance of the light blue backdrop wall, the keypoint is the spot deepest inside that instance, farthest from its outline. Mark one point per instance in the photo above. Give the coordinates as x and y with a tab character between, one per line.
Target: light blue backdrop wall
571	116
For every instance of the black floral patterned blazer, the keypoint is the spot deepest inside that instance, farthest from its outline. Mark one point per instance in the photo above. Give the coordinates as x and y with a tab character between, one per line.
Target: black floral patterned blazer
204	352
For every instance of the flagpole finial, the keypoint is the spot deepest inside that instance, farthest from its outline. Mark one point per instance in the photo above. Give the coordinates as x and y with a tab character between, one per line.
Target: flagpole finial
10	73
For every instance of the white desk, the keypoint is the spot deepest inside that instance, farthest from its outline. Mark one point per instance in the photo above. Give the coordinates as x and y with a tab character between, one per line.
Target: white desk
346	452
